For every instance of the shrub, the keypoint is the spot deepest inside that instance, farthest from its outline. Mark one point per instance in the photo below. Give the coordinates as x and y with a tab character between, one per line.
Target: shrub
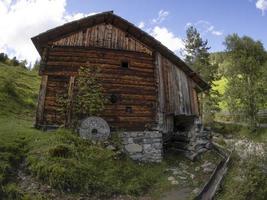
246	180
59	151
12	192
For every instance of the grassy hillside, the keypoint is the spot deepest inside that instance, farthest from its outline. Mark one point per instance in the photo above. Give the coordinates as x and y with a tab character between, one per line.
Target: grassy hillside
18	90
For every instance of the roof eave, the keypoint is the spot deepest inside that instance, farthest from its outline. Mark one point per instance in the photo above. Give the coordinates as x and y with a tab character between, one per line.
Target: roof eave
56	32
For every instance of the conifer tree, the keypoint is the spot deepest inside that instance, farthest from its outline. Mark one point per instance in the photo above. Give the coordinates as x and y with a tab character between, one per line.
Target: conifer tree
197	57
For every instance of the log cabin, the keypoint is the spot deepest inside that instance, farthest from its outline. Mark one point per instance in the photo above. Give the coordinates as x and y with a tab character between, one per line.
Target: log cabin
154	89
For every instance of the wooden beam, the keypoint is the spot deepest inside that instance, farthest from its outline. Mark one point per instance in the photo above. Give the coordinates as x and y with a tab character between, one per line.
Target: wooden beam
41	102
70	101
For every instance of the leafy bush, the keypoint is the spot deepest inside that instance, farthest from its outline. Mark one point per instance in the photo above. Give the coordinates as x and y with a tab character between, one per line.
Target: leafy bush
246	180
88	98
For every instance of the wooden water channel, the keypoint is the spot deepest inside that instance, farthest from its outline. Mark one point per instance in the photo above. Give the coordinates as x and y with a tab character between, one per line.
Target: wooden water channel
211	187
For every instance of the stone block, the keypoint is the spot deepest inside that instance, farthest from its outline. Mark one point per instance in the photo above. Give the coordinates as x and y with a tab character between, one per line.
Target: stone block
138	140
133	148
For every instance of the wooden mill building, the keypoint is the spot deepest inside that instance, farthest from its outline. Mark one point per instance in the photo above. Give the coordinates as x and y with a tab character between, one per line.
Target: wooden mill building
153	87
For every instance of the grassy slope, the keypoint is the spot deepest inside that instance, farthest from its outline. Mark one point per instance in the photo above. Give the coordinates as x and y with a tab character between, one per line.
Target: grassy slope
18	94
18	90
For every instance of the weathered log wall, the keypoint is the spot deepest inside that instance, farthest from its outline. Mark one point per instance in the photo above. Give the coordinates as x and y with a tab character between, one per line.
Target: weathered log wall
176	93
134	86
104	36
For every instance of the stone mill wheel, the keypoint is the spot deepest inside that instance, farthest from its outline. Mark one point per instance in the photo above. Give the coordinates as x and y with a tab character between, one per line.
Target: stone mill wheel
94	128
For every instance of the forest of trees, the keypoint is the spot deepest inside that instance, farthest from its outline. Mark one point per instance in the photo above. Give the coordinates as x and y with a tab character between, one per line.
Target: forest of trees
242	66
18	63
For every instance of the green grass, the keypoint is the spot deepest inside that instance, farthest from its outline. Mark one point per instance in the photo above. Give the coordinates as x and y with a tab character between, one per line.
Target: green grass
18	95
239	131
70	164
15	134
18	90
61	159
246	179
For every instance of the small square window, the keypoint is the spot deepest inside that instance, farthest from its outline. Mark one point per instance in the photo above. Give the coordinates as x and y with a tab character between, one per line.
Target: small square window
113	98
125	64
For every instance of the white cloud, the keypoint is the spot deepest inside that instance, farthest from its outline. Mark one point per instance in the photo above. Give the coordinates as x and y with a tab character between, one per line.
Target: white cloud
22	19
162	14
262	5
218	33
205	27
162	34
141	25
168	39
76	16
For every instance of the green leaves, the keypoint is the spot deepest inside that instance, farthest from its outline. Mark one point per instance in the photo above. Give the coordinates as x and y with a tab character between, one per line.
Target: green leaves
198	57
245	74
89	99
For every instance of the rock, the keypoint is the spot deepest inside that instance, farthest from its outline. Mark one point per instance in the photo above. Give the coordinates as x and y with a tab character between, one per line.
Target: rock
192	176
182	178
174	182
208	167
133	148
228	136
208	145
217	135
238	178
147	146
197	169
196	190
171	178
110	147
183	166
175	172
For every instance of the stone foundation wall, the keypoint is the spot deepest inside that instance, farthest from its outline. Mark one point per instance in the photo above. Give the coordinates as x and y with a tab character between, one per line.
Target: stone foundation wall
145	146
199	138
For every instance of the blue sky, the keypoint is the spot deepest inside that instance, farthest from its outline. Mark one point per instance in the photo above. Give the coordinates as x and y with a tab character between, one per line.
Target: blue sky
166	20
227	16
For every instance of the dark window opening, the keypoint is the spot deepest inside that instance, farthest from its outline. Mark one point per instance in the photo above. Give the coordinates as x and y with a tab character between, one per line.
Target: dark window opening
183	123
129	109
125	64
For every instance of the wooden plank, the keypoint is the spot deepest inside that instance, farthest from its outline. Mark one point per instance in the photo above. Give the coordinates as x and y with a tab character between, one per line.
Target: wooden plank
95	36
41	101
70	97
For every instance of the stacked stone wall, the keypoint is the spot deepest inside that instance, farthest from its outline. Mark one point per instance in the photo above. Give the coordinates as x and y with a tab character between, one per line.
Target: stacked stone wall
145	146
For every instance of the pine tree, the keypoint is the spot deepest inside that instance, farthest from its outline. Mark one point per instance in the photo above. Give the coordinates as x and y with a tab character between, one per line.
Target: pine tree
197	57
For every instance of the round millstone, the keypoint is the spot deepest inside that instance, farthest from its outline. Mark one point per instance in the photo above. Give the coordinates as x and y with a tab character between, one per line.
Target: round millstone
94	128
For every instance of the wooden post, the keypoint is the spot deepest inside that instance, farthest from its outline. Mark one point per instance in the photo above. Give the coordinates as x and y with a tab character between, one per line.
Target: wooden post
41	102
42	93
160	91
70	100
